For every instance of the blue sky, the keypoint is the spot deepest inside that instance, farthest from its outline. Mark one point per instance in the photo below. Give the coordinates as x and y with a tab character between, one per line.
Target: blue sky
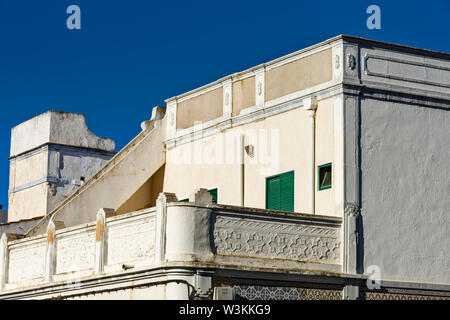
131	55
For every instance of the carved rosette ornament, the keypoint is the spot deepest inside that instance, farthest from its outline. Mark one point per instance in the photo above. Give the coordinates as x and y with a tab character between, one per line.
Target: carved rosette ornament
351	61
259	88
227	99
337	61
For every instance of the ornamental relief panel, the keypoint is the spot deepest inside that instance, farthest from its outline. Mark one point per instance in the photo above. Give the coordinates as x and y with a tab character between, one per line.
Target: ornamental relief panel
27	262
75	252
130	241
234	236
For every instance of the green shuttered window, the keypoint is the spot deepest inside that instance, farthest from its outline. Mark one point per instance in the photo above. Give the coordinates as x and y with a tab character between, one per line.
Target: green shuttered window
280	192
324	176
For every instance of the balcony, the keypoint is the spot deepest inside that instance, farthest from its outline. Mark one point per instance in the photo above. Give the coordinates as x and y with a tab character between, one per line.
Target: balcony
195	234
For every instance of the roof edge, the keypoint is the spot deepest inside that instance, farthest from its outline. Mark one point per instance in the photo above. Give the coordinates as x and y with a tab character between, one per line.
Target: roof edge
344	37
259	66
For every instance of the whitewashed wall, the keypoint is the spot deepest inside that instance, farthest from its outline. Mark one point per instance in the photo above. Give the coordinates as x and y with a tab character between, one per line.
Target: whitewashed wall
129	239
172	234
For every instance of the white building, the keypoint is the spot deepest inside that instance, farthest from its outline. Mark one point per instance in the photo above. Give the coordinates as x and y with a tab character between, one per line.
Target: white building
323	174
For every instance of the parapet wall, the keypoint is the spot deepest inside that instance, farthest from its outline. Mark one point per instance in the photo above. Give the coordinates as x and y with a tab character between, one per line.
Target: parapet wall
172	233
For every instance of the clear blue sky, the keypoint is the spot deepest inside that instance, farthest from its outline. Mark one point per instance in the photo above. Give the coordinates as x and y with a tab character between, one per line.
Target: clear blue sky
131	55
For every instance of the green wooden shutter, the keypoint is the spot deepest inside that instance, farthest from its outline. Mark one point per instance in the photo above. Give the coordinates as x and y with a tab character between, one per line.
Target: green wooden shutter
213	192
280	192
273	191
287	191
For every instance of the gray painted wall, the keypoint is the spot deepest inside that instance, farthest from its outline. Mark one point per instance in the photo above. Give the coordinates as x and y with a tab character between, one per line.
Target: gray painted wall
405	190
68	165
3	216
21	227
397	161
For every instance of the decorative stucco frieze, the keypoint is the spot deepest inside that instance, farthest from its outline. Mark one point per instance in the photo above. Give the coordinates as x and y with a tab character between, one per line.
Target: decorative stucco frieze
264	239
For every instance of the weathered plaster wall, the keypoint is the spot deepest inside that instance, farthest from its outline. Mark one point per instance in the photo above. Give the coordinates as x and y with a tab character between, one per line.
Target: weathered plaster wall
298	75
62	168
56	127
405	190
71	168
71	129
30	134
29	169
243	94
204	107
51	155
28	203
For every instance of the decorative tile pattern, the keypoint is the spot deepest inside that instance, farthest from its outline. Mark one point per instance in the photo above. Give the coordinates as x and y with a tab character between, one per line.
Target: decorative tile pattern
264	239
404	294
251	292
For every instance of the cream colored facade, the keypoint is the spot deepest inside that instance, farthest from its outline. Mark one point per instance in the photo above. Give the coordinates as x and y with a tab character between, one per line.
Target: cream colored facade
281	144
124	233
252	104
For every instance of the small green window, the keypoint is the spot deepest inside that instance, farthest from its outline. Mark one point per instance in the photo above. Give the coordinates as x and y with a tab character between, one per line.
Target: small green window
280	192
213	192
325	174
